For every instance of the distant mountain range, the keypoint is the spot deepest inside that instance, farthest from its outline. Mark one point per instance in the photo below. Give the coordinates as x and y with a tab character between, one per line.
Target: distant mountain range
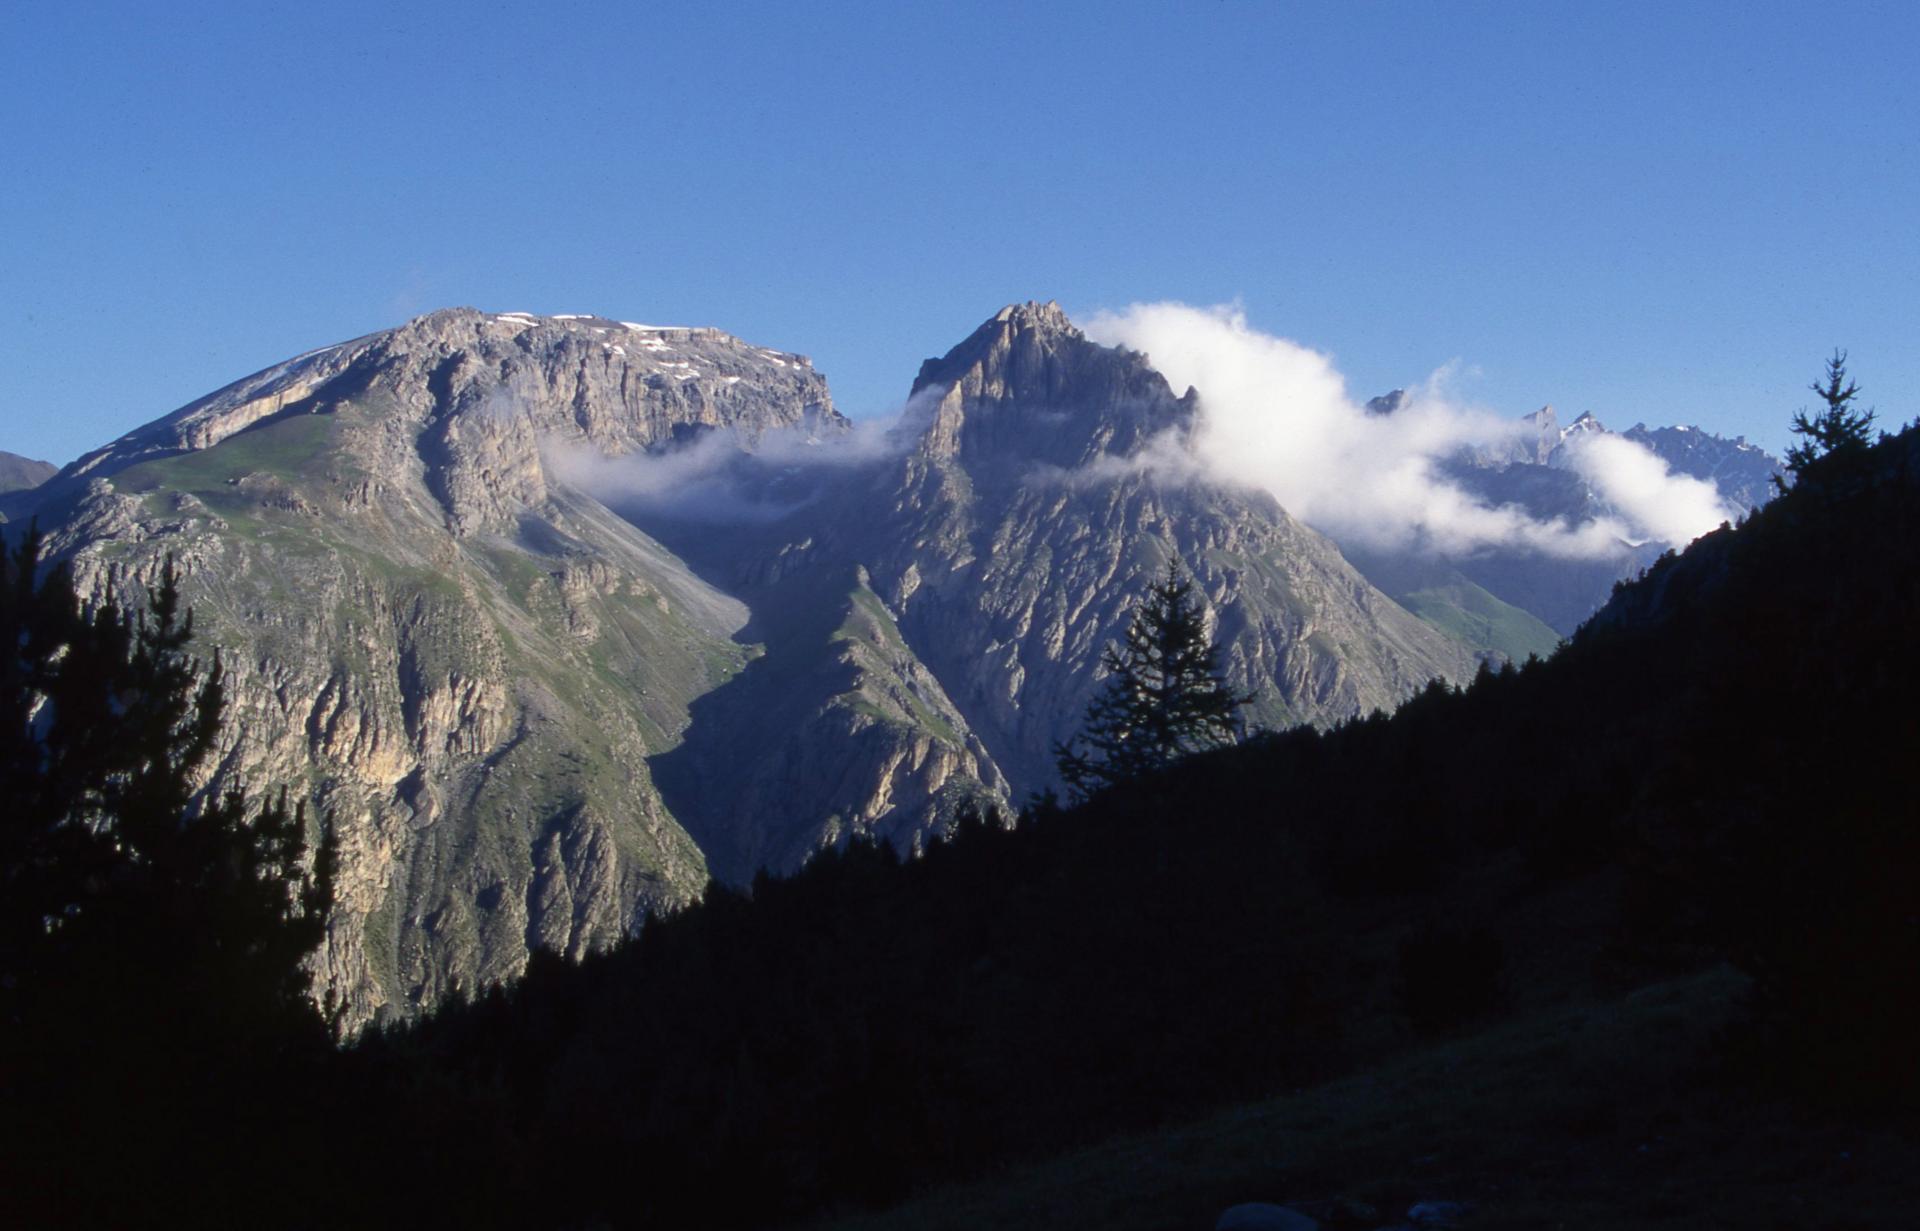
1535	473
558	616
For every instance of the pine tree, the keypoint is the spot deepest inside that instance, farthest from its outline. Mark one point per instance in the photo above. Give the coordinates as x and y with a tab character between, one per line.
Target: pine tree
1165	695
119	883
1839	431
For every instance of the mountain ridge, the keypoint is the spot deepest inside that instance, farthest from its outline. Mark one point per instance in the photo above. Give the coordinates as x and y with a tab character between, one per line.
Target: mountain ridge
541	708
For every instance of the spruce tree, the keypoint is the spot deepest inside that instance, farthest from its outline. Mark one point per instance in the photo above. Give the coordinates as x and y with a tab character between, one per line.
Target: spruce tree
1840	431
121	882
1165	695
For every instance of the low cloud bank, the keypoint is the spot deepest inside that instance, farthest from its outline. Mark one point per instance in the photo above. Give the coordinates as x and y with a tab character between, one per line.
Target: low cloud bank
712	479
1277	415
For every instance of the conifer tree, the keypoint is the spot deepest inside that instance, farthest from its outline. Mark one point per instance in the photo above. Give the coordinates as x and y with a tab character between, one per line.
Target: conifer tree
119	883
1839	431
1165	695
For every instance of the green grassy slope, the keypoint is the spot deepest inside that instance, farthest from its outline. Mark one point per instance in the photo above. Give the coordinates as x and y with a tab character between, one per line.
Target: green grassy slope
1482	621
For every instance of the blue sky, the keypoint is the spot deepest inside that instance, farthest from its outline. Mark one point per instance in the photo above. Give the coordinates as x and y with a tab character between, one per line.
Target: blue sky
1663	212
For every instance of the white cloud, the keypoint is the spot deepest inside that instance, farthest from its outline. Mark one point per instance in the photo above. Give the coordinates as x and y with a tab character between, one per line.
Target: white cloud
1672	508
713	479
1277	415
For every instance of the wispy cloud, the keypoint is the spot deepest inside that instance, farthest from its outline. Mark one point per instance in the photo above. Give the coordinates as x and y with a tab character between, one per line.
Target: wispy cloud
1278	416
714	479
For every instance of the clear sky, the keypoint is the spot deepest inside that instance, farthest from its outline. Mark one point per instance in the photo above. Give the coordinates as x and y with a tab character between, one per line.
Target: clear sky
1664	212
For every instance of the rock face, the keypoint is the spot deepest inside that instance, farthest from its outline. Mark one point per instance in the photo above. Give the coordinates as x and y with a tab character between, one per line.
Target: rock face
532	720
461	661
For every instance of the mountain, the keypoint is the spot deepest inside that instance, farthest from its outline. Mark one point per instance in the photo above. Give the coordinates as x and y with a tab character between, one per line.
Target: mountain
462	662
533	719
1743	472
1035	487
19	474
1534	471
1044	487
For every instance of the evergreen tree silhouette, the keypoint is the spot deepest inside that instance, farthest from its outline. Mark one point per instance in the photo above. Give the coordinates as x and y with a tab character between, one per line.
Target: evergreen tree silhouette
118	882
1839	431
1165	695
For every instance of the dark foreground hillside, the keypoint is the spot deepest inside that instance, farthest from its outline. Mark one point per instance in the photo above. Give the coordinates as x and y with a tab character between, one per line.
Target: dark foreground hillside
1708	791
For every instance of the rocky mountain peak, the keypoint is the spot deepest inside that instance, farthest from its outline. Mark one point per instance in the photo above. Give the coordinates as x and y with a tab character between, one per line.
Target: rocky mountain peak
471	399
1032	315
1028	387
22	473
1387	403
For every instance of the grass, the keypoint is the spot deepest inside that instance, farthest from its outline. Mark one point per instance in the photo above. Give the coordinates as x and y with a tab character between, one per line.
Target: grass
1601	1114
1469	613
287	447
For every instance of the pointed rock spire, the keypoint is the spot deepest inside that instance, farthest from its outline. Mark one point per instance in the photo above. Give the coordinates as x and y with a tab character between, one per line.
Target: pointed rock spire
1028	386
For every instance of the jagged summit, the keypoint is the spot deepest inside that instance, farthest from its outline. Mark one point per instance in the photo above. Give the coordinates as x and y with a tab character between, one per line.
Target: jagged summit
1028	386
1013	345
1034	315
1387	403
